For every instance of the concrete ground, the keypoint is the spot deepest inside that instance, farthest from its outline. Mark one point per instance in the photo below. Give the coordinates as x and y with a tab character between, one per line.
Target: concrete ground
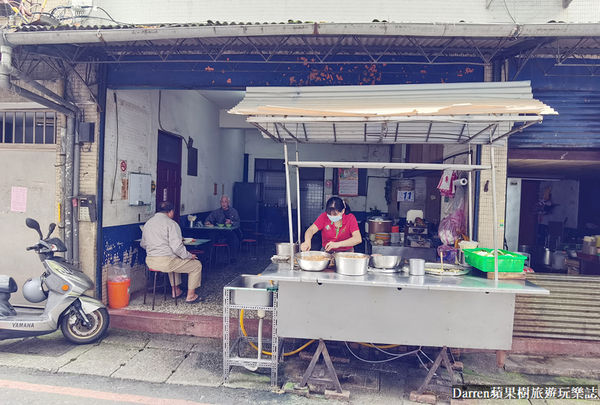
196	362
188	361
214	278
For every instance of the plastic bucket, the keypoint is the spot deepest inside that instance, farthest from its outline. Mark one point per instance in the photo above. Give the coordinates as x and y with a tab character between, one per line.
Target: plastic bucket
118	293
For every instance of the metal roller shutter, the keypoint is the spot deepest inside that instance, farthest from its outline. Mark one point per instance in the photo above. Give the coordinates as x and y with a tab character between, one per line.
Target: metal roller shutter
571	311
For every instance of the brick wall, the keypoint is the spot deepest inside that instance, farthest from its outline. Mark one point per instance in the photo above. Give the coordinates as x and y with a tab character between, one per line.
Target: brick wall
88	170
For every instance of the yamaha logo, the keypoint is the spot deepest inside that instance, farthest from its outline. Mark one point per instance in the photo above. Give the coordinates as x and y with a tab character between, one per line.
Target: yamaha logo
22	324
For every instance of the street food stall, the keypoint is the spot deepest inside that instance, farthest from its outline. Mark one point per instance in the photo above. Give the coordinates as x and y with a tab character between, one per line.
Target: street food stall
448	310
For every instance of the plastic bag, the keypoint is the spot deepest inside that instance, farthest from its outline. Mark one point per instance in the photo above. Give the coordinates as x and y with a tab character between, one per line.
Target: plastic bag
453	225
118	273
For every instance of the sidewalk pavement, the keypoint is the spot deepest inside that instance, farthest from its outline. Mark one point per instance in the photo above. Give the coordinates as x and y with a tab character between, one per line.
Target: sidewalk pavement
195	361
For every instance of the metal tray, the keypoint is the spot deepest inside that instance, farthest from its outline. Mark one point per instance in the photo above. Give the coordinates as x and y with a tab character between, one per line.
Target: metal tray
449	269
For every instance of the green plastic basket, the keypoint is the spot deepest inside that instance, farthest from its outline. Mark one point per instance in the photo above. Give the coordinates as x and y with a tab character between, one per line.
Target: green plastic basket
508	262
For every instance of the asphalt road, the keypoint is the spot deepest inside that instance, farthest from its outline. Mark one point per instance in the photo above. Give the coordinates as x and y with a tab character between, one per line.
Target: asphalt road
23	386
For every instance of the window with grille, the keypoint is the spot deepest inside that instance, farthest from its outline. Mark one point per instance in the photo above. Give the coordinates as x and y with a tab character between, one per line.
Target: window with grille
27	127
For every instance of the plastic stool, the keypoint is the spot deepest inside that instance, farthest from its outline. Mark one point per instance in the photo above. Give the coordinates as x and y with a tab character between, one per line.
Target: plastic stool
250	243
260	240
154	286
215	250
201	254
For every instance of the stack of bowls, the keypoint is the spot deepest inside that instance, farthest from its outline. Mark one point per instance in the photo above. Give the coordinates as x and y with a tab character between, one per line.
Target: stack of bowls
382	238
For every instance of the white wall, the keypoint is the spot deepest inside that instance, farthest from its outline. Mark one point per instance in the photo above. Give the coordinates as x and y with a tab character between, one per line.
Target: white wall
186	113
32	168
258	147
499	11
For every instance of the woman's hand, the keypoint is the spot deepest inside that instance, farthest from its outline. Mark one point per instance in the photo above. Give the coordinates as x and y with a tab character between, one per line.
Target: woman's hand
331	246
305	246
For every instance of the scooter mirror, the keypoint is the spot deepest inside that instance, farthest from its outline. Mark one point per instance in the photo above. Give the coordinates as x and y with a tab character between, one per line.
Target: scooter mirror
33	224
51	229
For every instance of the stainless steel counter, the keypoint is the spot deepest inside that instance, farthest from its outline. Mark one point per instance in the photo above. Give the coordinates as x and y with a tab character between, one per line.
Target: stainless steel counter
453	311
282	272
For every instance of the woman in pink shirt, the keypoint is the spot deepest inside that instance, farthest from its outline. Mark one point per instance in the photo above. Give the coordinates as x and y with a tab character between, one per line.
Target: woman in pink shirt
339	230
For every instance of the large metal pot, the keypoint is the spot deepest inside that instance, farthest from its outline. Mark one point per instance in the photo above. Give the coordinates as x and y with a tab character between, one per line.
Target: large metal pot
313	261
385	262
351	264
559	260
379	225
283	249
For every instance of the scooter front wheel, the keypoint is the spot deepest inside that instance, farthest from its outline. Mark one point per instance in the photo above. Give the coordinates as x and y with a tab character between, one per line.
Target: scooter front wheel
76	331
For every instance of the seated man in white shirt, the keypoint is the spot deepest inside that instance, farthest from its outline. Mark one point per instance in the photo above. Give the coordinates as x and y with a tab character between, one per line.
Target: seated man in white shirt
161	237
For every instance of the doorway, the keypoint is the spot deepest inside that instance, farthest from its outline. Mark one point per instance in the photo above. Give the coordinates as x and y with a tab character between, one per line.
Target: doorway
168	171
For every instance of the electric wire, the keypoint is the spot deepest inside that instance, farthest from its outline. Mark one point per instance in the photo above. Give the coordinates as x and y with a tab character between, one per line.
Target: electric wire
395	357
298	350
112	195
508	11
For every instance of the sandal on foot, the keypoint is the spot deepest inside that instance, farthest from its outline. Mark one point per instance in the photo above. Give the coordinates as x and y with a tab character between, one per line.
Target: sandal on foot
195	300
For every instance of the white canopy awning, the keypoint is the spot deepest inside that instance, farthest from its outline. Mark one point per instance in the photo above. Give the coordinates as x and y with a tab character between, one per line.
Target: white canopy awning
477	113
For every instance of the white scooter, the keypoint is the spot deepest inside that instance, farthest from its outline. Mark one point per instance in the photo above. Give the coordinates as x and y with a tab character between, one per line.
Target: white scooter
82	319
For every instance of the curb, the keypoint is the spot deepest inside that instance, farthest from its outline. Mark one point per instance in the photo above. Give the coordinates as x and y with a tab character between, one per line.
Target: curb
178	324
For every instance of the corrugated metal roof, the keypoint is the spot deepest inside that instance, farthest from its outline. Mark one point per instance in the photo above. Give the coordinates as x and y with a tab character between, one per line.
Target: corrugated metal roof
577	126
423	113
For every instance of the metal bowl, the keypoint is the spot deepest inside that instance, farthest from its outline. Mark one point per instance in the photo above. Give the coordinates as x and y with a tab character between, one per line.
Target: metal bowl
351	264
385	262
313	264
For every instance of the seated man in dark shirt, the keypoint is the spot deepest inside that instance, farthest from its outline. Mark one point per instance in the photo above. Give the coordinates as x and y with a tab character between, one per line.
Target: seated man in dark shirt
227	215
223	215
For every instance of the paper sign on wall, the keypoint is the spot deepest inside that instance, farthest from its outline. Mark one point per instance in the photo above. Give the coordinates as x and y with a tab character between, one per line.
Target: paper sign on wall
348	182
18	199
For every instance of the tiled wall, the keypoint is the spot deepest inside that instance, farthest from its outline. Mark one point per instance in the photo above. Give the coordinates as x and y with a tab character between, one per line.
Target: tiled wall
486	219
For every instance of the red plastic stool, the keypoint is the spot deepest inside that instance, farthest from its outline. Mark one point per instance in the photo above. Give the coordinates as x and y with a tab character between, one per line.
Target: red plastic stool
250	243
216	247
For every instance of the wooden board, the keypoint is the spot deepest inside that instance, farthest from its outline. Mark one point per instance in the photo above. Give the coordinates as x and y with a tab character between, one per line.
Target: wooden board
507	276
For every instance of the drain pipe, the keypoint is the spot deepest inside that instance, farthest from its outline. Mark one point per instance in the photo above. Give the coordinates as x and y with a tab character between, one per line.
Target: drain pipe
74	201
68	144
261	317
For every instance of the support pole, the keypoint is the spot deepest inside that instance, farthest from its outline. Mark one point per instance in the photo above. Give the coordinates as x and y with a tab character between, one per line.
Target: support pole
495	215
470	188
298	198
289	204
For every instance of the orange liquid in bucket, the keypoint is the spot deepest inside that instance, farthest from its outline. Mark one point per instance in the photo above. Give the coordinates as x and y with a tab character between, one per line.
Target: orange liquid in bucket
118	293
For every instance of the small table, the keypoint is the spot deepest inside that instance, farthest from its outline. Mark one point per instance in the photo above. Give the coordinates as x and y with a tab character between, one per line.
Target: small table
214	233
196	242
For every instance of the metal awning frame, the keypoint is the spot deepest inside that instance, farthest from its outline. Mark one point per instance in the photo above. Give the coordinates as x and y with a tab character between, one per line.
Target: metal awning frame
393	166
283	134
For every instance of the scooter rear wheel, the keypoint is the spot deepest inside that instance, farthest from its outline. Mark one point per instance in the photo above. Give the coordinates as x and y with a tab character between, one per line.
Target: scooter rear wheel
75	331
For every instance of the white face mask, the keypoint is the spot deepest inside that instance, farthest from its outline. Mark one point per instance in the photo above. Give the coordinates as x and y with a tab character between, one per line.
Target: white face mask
334	219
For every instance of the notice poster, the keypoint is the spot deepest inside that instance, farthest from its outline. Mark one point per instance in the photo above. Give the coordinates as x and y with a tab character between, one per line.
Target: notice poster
348	182
18	199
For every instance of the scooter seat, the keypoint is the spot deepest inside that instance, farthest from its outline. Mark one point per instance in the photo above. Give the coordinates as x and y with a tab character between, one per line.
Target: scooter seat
7	285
